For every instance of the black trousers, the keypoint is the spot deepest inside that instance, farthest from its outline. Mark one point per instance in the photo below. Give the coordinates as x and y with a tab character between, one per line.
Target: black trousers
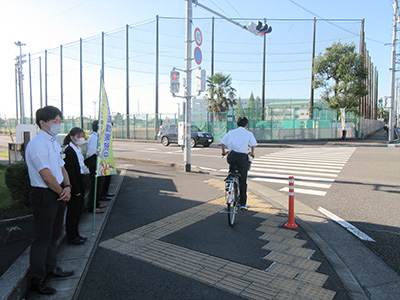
239	161
100	181
74	209
48	217
106	184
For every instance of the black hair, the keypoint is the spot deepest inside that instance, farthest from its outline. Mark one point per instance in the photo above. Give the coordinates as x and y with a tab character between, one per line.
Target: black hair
47	113
73	132
242	122
95	125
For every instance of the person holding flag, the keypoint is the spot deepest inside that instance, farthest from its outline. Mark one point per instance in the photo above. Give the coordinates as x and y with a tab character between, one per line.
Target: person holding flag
344	123
91	158
102	154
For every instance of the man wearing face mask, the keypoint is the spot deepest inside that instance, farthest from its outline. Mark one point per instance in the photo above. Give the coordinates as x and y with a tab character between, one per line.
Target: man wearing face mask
51	190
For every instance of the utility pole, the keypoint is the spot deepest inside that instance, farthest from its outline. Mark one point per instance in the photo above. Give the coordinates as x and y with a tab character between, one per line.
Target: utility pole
20	76
311	104
188	110
263	77
392	79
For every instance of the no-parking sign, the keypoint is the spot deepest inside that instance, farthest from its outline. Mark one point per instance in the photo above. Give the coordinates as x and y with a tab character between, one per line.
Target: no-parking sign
198	57
198	37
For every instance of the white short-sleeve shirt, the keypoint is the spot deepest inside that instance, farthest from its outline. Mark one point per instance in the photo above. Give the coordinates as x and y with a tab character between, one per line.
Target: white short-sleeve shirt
239	140
43	151
92	144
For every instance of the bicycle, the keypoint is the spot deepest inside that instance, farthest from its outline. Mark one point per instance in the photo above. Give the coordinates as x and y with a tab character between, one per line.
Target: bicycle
232	188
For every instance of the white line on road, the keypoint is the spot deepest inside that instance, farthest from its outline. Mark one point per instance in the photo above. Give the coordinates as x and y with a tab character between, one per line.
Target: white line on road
286	167
298	163
297	182
264	174
210	169
305	191
354	230
308	159
294	172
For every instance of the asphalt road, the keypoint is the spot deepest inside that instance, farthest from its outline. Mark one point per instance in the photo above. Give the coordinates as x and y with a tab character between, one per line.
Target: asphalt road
365	191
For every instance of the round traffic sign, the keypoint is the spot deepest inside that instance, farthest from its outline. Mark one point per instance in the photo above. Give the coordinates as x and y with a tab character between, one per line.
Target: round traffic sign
197	55
198	36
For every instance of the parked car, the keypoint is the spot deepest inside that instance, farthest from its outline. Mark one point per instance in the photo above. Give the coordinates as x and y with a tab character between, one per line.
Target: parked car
168	133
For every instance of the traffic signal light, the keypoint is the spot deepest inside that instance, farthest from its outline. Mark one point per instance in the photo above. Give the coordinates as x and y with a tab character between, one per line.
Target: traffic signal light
380	102
174	78
259	28
263	28
201	80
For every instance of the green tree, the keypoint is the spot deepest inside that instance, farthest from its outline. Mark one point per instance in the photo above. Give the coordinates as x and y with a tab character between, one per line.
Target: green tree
251	107
239	111
258	108
221	94
340	71
383	114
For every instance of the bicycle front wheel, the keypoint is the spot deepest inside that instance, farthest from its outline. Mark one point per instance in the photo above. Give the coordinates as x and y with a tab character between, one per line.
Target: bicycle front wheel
232	206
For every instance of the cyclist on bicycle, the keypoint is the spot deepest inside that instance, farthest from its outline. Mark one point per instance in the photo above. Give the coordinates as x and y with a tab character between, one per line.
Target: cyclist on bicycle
238	142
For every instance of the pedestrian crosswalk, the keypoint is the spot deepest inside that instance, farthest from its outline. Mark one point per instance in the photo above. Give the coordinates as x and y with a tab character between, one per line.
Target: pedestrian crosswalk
314	169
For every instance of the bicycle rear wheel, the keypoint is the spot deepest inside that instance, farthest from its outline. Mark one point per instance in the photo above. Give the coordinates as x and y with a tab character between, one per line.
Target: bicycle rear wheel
232	206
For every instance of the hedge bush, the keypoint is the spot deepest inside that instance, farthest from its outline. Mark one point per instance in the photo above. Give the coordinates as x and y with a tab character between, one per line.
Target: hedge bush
17	181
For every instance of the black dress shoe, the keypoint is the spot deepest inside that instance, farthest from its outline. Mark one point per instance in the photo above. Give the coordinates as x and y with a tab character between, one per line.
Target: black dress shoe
110	195
59	273
76	241
83	238
43	288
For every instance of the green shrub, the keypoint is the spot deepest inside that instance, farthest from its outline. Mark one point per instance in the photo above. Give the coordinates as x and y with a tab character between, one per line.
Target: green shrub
17	180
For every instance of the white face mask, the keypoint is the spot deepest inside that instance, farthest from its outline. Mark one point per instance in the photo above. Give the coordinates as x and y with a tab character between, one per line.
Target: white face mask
54	129
79	141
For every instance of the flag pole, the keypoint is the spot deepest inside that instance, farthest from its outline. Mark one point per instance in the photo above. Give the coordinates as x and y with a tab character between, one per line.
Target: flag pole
97	157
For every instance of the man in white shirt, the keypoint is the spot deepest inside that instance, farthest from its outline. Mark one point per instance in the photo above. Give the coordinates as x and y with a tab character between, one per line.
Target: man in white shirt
91	158
344	131
51	189
238	142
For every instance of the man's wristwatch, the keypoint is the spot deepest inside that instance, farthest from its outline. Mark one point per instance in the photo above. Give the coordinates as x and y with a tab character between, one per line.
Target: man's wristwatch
68	185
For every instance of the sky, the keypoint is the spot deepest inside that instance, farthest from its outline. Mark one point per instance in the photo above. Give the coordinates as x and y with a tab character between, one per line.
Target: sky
47	24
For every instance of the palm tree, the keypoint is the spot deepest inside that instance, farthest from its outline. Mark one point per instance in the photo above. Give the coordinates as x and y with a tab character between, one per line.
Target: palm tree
221	95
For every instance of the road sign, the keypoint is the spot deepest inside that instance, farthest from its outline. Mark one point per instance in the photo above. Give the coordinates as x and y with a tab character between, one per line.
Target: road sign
198	57
198	36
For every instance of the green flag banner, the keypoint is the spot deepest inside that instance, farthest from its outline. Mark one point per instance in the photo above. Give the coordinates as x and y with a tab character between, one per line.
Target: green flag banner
105	162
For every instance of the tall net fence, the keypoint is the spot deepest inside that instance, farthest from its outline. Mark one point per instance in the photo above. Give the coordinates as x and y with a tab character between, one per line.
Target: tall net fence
137	59
280	123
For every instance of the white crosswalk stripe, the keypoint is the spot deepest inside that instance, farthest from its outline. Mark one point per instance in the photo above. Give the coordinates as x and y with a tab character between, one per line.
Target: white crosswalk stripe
315	169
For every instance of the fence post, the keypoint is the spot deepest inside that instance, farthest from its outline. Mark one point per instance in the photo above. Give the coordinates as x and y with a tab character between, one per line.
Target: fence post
134	127
147	129
291	223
